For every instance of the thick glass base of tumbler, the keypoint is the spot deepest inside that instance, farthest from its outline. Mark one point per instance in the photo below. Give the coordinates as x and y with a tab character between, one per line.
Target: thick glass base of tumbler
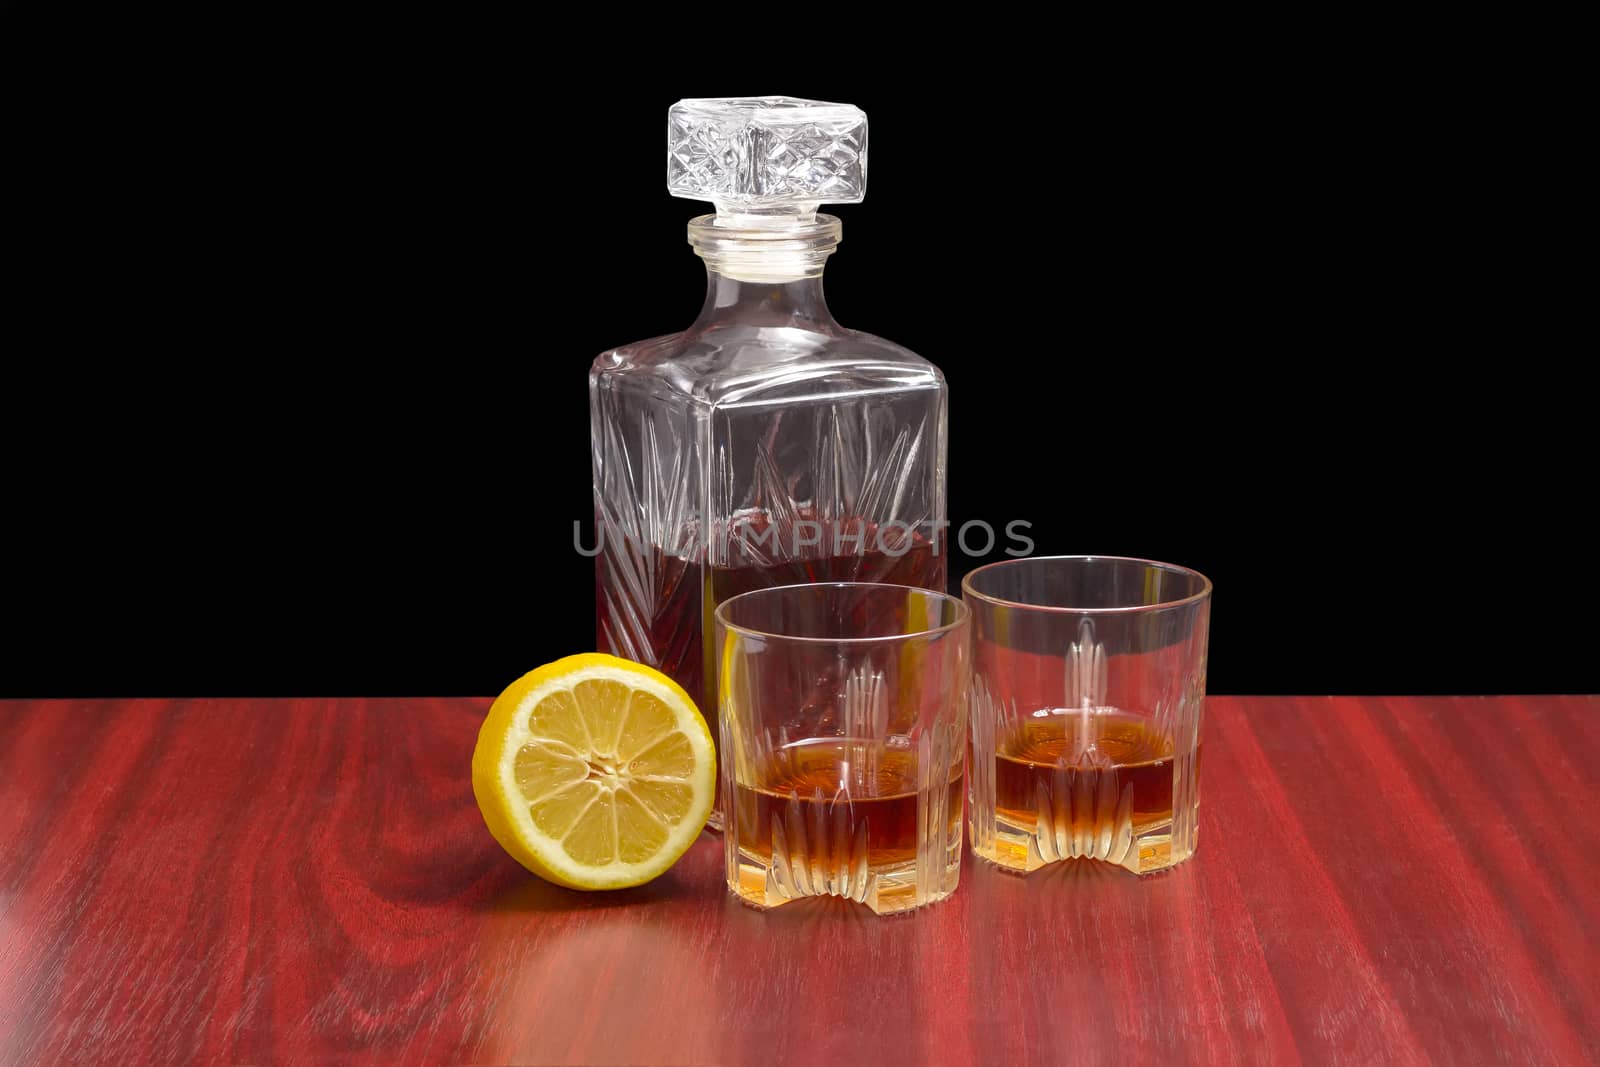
886	890
1023	851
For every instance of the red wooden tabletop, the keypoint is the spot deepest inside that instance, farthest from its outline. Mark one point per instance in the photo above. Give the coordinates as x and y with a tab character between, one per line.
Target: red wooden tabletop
302	880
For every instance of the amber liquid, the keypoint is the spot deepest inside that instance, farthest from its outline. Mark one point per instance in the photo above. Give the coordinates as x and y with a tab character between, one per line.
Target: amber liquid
1084	784
686	593
824	799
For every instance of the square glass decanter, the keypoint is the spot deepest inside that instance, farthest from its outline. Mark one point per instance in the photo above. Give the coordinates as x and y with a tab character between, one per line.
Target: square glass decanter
765	444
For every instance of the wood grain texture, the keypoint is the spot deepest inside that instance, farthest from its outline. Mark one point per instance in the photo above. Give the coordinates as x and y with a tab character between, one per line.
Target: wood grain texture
1378	880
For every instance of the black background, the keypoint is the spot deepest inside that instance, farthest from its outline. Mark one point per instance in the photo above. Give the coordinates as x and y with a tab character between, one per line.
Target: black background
300	317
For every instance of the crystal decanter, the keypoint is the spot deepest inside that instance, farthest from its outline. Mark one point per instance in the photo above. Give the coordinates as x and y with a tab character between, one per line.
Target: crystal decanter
765	444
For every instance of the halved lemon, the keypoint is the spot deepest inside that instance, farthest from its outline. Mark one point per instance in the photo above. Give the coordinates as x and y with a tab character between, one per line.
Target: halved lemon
594	772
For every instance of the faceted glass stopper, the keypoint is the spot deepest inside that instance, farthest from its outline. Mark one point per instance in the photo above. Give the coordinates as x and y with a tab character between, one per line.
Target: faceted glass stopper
767	154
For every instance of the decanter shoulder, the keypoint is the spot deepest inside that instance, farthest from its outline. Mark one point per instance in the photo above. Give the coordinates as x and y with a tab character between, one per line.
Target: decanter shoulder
871	347
637	357
839	365
732	364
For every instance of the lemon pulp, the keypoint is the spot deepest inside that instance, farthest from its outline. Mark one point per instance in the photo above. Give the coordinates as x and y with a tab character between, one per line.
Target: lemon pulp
594	772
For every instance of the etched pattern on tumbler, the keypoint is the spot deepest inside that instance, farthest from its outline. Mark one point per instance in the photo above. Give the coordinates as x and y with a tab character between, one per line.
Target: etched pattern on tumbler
1086	700
842	729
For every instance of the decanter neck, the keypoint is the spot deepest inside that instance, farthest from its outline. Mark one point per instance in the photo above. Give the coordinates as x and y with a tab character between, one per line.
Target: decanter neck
798	303
767	248
765	270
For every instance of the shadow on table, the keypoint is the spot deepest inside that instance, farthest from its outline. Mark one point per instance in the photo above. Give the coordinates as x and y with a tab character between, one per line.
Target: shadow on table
804	912
526	892
1079	886
1066	873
